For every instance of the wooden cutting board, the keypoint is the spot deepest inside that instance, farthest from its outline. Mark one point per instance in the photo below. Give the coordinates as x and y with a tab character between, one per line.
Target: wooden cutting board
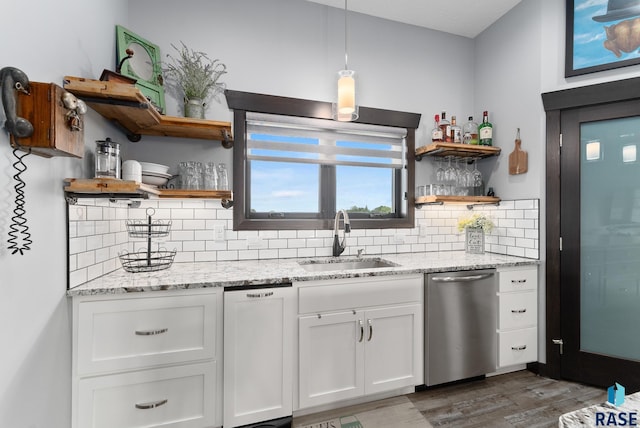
518	158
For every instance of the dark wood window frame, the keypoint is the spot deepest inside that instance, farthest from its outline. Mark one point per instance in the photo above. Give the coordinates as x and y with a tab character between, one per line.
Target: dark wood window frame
243	102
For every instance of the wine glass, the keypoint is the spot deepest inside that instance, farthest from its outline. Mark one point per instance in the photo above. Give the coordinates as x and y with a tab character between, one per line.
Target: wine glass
440	171
476	179
464	179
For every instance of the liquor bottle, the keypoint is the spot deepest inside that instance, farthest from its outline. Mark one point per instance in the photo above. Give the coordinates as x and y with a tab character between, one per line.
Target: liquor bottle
445	125
456	131
436	132
485	130
470	132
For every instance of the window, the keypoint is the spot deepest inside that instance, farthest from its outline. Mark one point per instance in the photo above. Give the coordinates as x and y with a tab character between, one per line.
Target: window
294	171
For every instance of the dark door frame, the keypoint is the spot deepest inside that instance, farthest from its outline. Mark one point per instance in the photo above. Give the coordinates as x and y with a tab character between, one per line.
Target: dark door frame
554	103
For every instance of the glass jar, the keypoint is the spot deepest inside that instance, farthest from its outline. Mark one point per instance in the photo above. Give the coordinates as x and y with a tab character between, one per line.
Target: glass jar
107	158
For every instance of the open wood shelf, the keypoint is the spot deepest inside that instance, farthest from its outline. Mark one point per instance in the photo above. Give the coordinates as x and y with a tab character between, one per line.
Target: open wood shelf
469	200
125	189
93	186
125	105
203	194
457	150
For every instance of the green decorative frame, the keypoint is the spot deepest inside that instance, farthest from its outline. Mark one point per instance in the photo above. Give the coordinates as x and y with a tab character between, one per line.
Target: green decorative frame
152	87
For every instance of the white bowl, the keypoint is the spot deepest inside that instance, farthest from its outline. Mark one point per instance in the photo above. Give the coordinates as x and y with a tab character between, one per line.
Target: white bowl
154	180
154	167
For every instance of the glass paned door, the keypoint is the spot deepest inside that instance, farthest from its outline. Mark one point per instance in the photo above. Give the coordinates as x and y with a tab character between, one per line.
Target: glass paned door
610	237
599	271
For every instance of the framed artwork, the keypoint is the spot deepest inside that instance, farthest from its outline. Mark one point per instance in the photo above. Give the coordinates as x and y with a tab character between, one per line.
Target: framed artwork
601	35
145	65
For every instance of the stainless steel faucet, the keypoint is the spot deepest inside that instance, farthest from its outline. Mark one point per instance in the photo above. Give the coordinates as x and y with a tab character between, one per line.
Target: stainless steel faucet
338	247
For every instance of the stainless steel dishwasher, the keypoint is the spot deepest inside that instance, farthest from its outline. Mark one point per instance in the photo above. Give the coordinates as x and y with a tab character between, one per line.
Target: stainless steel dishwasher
460	325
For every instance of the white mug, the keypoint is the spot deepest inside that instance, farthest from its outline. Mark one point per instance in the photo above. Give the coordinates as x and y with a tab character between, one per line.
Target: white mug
132	171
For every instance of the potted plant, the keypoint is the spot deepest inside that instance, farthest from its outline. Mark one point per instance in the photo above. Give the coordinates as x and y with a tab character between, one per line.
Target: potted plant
475	227
196	77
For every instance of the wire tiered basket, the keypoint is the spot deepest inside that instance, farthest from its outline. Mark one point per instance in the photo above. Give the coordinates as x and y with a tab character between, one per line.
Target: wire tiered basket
147	260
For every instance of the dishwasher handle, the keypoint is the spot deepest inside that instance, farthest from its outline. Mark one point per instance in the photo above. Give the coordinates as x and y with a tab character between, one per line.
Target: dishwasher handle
467	278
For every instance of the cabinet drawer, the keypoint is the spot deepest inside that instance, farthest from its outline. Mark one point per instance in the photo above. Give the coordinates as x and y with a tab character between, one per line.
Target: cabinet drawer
517	346
517	310
133	333
518	279
341	294
180	396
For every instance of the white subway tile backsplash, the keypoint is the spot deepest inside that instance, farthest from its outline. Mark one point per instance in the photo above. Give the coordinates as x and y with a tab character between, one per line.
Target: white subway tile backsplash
268	254
277	243
198	224
524	224
94	213
247	254
306	252
182	213
77	245
94	242
287	234
287	253
86	228
86	259
227	255
193	246
315	242
97	233
204	256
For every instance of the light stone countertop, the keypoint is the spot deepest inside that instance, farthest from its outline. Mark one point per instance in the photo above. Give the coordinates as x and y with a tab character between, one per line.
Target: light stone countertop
281	271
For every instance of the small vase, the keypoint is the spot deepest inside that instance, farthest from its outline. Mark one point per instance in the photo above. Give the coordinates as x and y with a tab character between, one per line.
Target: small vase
474	240
194	109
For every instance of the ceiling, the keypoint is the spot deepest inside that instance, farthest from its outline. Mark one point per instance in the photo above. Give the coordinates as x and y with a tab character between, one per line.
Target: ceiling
462	17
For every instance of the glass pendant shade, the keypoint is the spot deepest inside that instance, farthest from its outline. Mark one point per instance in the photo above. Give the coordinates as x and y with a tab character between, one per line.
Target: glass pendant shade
346	109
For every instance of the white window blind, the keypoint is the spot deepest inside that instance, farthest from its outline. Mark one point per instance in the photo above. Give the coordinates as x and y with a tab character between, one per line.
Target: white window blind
304	140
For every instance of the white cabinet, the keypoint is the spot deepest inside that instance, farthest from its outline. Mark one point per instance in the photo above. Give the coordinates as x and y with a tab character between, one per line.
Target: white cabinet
147	360
358	337
517	315
258	354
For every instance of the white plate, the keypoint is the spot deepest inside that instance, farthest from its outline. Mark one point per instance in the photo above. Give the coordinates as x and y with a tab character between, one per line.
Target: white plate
156	174
154	167
153	180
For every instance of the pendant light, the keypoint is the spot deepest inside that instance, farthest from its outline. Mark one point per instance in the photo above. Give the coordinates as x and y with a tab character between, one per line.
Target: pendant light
346	109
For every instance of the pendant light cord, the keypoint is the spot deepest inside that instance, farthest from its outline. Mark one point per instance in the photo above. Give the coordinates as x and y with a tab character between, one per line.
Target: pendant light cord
345	35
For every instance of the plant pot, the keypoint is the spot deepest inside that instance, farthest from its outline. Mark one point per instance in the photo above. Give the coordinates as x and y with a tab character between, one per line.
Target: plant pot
474	240
194	109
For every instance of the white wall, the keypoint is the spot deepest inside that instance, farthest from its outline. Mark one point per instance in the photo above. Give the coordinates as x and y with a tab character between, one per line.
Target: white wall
295	48
46	40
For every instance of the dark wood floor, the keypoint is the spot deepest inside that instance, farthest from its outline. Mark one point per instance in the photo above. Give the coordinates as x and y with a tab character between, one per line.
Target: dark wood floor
519	399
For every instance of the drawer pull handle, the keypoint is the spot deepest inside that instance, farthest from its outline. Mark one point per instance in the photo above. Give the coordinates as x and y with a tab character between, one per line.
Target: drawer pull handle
518	281
259	295
370	330
151	332
519	348
361	331
518	311
152	405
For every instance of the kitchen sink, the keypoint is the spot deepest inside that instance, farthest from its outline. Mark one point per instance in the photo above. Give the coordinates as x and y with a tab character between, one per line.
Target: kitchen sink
345	264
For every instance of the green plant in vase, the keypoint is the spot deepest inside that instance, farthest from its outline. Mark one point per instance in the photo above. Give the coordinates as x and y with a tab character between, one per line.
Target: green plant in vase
196	77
